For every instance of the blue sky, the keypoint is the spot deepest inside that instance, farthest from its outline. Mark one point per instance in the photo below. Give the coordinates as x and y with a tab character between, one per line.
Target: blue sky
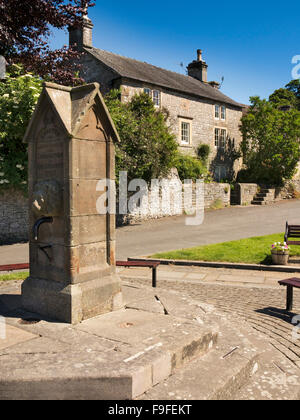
250	44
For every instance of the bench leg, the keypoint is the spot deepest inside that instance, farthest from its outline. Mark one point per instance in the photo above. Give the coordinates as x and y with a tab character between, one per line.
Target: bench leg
289	298
154	277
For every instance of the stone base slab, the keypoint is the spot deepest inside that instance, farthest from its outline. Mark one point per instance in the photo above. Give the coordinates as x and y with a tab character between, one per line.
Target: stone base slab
115	356
72	303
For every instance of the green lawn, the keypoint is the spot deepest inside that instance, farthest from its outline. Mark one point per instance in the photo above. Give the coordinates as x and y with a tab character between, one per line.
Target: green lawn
255	250
22	275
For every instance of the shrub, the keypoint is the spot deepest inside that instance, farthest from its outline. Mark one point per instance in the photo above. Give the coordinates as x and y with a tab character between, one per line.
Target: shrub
190	167
203	152
18	97
147	149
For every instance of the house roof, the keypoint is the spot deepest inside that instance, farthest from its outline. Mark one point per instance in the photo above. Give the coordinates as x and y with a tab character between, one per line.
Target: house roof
147	73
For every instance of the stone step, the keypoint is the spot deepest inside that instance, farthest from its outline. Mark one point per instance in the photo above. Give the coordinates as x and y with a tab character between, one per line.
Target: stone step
253	370
276	379
265	195
116	356
216	376
261	195
258	203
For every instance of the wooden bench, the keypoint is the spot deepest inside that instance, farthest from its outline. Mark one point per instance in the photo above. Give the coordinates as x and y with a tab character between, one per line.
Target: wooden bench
292	231
290	283
149	264
14	267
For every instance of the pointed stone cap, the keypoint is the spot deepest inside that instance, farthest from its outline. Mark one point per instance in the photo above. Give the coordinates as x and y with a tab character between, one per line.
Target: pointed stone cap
71	105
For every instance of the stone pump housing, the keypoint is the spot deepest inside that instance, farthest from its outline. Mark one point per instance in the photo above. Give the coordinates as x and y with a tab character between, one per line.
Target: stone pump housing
72	247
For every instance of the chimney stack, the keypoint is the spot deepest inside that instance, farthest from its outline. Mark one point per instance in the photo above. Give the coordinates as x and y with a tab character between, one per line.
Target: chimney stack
82	35
198	68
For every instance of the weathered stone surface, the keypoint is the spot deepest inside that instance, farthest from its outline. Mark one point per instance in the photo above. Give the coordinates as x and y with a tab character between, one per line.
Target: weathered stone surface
72	254
13	336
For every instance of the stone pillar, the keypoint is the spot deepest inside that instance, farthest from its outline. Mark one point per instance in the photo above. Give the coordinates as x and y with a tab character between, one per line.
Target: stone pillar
72	248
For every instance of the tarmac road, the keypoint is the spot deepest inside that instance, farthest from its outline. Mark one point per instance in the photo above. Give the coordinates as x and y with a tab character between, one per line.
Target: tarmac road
172	233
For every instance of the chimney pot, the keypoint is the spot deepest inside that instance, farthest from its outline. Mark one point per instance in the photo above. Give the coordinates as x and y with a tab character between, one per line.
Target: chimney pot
199	55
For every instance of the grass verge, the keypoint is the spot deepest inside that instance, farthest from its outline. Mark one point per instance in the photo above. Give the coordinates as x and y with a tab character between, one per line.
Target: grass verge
22	275
256	250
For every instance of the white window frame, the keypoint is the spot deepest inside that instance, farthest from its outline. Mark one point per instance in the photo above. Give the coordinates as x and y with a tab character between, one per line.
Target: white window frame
223	113
188	123
217	112
217	137
220	138
155	95
156	98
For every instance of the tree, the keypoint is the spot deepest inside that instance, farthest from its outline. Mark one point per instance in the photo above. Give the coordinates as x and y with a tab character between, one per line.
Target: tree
147	149
294	87
25	28
18	97
270	145
283	97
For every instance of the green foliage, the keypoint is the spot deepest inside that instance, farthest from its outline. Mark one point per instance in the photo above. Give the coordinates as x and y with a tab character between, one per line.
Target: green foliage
18	96
14	276
282	98
270	145
147	149
294	87
203	152
190	167
217	204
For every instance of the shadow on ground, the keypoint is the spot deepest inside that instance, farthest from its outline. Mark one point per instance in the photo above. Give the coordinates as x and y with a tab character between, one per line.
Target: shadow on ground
277	313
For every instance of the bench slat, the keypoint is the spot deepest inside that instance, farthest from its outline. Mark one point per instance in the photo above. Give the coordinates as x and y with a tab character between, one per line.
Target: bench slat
137	264
295	282
14	267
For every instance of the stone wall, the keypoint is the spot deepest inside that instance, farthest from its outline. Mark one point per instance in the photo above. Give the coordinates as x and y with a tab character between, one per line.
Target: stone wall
13	217
217	192
243	193
246	193
291	189
216	195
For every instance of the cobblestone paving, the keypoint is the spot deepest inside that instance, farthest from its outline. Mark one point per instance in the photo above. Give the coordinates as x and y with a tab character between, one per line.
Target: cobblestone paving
262	307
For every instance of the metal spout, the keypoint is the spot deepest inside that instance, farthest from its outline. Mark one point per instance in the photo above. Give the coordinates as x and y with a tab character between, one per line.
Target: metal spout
38	223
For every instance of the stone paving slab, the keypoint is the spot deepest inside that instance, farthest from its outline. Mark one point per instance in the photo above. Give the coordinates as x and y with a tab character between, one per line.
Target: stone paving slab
173	273
14	336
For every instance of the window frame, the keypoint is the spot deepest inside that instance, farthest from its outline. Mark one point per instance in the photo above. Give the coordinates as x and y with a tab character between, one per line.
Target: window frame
223	112
155	95
220	138
148	92
217	113
188	122
156	98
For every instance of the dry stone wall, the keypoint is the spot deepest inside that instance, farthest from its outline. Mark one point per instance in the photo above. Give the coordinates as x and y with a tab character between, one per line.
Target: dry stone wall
13	217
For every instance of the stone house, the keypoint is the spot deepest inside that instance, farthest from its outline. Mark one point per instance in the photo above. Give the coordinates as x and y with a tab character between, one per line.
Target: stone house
199	113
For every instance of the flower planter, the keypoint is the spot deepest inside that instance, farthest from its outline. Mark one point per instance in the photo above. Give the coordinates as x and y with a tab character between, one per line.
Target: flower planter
280	257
